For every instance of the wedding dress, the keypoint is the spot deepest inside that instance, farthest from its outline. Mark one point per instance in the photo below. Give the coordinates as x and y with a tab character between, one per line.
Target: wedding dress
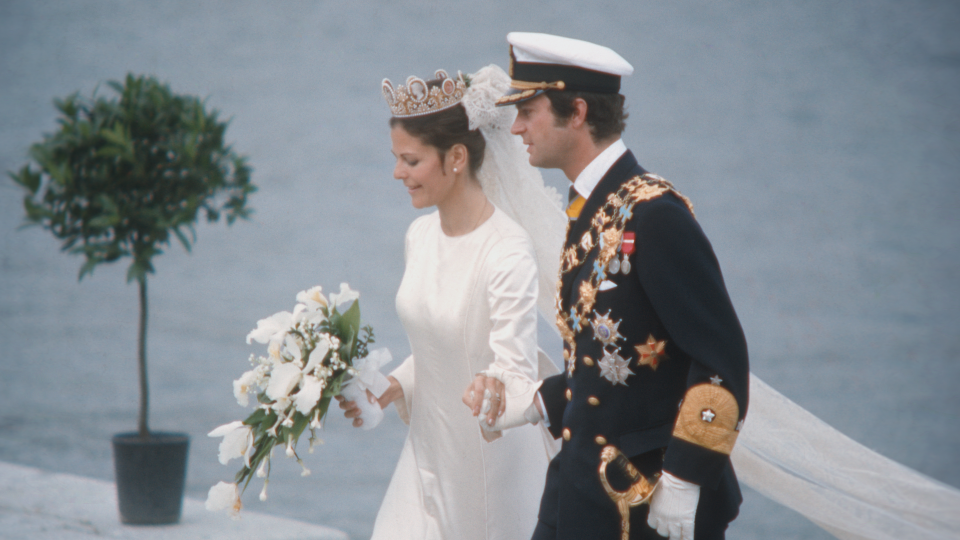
466	302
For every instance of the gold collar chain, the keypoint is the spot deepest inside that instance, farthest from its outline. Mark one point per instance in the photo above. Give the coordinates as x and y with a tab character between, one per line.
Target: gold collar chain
605	232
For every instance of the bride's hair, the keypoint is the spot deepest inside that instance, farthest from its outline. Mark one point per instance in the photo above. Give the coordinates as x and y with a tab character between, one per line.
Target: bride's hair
444	129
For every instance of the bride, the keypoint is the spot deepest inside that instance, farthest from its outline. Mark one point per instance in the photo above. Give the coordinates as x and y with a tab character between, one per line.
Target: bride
468	302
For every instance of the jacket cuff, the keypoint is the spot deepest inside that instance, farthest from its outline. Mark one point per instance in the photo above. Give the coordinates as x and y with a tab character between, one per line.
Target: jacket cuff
694	463
552	391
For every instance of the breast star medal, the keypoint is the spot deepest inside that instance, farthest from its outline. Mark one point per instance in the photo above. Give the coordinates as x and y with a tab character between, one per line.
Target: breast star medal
614	368
651	353
605	330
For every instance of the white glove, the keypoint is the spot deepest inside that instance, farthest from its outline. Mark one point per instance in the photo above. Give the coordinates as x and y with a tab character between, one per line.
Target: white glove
519	393
673	507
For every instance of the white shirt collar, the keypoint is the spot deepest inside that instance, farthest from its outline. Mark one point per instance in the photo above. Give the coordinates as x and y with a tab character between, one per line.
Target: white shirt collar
590	176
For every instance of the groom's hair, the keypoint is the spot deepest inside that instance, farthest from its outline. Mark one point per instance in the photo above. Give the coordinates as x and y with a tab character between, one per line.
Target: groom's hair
606	113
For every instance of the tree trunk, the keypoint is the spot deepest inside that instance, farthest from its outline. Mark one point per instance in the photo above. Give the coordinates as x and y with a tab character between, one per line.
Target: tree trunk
142	360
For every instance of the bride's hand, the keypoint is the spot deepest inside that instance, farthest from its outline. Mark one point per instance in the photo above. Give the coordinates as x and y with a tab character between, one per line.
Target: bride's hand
351	410
392	393
473	397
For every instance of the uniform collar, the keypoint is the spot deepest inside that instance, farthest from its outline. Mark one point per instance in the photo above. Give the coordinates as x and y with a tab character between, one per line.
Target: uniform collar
590	176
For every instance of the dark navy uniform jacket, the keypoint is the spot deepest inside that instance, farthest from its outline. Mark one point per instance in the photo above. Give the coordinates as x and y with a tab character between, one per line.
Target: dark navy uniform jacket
674	293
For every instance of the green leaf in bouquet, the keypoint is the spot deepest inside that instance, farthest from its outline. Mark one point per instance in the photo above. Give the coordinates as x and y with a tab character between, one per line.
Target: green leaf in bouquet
350	328
256	418
268	420
324	404
300	423
334	388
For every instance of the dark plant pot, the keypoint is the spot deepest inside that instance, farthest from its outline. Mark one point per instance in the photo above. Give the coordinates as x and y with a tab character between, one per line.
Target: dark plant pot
150	476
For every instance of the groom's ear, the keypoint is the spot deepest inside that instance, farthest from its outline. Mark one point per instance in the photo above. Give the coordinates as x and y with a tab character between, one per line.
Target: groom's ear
578	116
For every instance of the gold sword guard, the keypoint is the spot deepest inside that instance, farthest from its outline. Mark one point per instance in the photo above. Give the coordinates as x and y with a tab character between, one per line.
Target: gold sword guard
638	493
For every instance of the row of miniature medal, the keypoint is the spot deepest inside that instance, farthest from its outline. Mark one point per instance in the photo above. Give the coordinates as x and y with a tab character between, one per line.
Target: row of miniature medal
616	265
626	248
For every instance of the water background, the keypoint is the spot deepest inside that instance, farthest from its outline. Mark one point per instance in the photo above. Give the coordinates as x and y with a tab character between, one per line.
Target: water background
818	140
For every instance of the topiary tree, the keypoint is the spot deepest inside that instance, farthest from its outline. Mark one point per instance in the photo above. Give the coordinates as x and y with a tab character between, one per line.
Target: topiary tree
120	176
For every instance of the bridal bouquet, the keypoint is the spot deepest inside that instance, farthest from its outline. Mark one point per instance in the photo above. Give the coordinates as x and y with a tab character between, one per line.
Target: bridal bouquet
316	352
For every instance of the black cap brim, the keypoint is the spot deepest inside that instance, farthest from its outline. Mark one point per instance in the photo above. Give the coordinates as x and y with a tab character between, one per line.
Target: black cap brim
516	95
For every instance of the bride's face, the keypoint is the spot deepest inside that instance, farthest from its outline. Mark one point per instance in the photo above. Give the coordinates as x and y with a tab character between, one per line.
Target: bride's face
421	170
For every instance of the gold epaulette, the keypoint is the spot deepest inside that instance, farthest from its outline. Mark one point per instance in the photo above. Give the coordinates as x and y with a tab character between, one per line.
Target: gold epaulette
708	418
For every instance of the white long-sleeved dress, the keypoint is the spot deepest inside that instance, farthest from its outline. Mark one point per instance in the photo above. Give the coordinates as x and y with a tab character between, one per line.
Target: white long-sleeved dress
465	302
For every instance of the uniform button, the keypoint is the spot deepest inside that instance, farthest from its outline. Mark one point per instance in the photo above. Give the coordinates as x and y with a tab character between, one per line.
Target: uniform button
588	361
593	401
569	394
601	440
566	434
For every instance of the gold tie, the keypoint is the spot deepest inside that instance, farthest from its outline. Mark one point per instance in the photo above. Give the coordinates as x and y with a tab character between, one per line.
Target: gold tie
576	205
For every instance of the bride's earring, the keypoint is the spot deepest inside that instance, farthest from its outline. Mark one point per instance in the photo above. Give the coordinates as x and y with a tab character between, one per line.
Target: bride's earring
454	169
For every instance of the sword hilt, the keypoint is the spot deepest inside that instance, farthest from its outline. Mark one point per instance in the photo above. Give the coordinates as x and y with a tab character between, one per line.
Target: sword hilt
638	493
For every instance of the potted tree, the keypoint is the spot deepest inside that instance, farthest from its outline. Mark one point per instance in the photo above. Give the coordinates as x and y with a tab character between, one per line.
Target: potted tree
118	179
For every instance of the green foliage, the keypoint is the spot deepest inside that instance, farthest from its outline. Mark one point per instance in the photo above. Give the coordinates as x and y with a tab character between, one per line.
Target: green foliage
121	176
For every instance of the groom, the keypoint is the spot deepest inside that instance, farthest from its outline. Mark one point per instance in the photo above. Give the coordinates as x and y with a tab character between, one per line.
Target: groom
656	361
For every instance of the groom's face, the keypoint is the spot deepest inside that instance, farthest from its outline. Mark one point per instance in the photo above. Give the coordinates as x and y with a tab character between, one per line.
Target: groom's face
548	140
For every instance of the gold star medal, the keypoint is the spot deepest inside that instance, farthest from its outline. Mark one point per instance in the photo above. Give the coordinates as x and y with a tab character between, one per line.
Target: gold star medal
614	368
651	352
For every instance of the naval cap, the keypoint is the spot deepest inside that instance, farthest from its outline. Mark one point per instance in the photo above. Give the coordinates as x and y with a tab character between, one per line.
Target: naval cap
540	62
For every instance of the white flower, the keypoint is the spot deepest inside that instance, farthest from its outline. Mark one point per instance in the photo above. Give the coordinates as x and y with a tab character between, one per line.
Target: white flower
309	394
316	356
307	317
281	405
242	386
224	496
273	350
272	328
310	310
344	297
312	298
292	349
237	441
283	379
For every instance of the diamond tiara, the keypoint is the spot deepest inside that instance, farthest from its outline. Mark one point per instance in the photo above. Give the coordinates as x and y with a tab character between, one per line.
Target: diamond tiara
418	99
